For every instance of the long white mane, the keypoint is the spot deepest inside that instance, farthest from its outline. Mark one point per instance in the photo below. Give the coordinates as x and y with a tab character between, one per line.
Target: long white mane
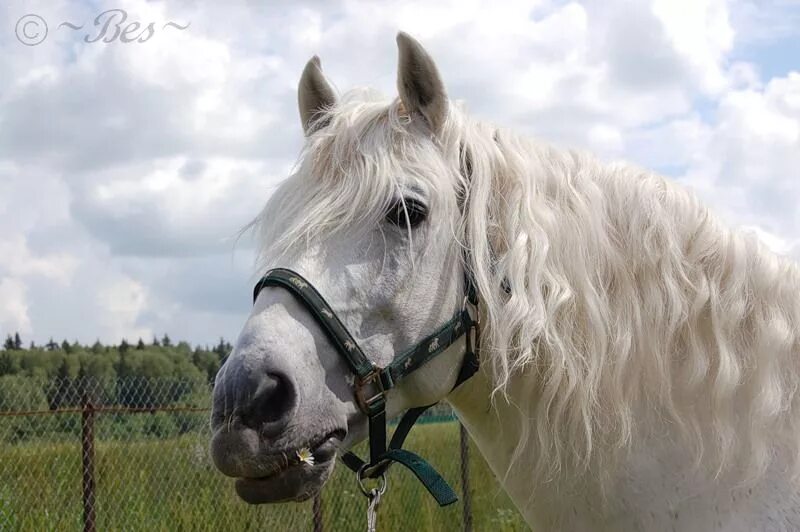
630	305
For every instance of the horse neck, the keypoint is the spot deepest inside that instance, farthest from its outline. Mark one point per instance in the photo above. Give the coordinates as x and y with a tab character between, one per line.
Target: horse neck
656	487
494	427
654	479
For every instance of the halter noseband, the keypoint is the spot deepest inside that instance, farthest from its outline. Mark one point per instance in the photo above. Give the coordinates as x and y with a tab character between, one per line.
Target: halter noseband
372	382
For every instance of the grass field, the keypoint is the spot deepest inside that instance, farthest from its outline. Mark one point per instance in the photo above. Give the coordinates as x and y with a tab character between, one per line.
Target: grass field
170	484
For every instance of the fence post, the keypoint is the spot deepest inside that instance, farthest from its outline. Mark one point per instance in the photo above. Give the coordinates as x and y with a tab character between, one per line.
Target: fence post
318	524
466	507
87	448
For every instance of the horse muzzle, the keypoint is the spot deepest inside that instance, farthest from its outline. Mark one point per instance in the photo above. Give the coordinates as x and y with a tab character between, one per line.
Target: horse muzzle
265	476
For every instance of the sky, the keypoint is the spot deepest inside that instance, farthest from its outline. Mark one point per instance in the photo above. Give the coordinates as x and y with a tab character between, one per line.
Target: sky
128	168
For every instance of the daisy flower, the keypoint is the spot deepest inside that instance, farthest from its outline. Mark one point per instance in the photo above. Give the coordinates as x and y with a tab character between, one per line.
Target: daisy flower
305	456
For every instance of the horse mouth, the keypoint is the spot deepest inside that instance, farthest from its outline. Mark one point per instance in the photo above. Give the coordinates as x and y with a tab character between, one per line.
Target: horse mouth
299	475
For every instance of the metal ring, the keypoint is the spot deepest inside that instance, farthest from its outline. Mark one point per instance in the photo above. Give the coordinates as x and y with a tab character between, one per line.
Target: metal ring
364	490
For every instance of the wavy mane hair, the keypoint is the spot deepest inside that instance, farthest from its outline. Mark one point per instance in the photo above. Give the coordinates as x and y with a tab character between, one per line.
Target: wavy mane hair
629	303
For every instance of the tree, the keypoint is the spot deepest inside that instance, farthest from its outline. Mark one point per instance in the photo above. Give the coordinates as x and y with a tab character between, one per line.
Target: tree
66	347
51	345
223	348
140	345
17	341
9	363
207	361
165	341
9	343
124	346
69	368
155	341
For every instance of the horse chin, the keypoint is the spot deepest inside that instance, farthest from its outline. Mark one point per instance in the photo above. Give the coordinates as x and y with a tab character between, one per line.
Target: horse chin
297	483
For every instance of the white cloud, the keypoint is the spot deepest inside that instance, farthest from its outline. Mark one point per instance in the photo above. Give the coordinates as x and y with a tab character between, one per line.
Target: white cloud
749	163
122	303
700	31
14	310
17	260
175	206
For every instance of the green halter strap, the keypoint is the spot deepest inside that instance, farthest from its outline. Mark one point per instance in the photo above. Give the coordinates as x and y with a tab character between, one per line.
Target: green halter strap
372	382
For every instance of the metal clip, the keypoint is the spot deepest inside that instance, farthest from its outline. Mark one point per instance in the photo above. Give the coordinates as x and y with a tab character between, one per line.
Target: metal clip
374	495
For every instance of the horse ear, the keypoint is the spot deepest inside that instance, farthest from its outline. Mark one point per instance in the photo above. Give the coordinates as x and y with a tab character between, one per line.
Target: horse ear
314	95
419	84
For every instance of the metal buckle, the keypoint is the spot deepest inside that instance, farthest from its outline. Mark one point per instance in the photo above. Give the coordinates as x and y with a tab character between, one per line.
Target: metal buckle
473	332
474	312
365	403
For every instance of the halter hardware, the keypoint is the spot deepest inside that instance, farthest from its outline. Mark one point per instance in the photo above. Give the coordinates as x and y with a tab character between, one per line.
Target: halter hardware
360	476
372	382
375	377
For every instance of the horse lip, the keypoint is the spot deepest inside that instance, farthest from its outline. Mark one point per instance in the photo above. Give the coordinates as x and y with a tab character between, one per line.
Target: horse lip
294	481
326	449
323	449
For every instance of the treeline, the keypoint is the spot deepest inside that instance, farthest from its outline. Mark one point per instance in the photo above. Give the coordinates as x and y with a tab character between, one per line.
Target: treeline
157	378
159	358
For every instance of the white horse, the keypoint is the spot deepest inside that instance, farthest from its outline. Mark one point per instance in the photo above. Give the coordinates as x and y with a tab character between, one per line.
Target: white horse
640	361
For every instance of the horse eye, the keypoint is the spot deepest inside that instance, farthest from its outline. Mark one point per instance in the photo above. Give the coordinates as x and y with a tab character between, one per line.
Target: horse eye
414	209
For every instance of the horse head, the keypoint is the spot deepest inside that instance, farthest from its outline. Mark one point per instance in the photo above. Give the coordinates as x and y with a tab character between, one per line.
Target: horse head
371	217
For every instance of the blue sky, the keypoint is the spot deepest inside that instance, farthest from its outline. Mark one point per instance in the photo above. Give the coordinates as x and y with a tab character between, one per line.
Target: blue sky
126	169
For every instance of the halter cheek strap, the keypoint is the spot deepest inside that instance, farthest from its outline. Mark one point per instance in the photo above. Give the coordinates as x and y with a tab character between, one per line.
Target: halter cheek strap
372	382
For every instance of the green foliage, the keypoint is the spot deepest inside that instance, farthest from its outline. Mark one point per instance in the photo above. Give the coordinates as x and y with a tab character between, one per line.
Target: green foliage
9	363
208	362
56	376
72	361
222	349
17	395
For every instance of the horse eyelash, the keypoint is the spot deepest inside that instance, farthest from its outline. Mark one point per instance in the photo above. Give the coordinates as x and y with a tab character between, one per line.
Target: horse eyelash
409	211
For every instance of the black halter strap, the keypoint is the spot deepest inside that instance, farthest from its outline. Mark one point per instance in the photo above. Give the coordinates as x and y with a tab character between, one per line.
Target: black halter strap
372	382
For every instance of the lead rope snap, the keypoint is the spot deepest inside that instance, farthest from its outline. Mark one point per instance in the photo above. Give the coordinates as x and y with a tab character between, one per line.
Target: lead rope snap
374	496
372	509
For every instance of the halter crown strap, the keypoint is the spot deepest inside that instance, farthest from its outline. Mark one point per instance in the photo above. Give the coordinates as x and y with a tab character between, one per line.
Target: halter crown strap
373	401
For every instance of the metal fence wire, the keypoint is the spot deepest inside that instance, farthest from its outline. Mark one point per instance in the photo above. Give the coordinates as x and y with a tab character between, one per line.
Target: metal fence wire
132	454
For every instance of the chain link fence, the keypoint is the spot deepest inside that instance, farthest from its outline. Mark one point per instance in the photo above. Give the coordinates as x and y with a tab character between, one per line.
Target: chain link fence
132	454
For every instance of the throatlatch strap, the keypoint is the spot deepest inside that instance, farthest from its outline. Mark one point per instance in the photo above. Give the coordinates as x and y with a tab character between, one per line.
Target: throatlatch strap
398	438
377	436
433	482
436	485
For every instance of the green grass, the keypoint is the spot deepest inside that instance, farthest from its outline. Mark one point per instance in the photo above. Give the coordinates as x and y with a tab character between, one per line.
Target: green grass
170	484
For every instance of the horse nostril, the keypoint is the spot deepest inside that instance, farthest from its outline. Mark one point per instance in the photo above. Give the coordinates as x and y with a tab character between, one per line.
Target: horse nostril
271	404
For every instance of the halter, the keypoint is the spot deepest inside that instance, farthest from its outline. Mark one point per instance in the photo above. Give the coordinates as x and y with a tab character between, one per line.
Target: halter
372	382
